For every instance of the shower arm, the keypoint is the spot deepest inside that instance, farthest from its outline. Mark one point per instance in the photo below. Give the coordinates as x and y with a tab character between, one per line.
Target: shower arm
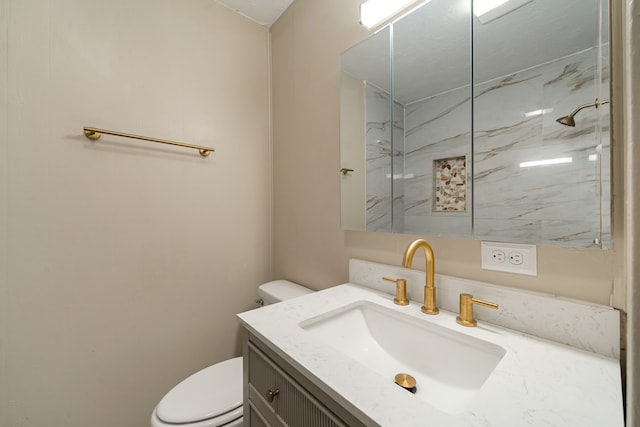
596	104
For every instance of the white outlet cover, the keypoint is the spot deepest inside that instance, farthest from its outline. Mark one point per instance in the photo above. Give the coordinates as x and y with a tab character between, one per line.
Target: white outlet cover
527	253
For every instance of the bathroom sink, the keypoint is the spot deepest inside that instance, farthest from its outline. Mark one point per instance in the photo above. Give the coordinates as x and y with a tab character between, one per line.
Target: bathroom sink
449	367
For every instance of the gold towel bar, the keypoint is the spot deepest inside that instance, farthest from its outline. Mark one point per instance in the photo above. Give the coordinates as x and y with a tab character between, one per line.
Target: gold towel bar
95	133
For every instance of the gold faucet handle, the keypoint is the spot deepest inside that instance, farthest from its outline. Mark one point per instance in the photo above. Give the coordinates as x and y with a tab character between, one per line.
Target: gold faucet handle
401	291
466	309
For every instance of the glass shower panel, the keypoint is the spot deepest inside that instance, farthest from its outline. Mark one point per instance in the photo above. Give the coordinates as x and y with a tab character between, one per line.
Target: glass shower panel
432	90
366	135
604	125
536	180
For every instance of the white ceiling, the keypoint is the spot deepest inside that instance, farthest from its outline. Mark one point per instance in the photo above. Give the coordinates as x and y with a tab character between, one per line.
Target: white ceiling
434	41
264	12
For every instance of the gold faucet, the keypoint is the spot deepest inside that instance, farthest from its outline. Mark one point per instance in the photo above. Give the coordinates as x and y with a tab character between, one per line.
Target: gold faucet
429	306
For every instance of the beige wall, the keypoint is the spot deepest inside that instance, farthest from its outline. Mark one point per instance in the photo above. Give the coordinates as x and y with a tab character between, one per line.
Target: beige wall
309	244
353	185
123	263
629	62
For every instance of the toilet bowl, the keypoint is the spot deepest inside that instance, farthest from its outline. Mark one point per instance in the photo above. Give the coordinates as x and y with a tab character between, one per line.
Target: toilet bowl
212	397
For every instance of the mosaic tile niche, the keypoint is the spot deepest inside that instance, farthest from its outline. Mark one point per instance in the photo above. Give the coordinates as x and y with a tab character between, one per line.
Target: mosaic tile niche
450	191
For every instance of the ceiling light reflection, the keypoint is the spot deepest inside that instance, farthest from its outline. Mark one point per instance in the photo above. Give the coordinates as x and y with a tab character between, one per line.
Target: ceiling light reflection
538	112
488	10
557	161
373	12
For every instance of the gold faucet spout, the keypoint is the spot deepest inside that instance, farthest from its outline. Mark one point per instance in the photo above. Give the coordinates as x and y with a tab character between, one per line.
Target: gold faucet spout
429	306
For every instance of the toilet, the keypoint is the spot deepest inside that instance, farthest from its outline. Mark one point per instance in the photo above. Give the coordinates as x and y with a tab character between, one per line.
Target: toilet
212	397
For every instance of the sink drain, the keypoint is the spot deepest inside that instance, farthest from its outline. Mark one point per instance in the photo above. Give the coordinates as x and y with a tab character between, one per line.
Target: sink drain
406	381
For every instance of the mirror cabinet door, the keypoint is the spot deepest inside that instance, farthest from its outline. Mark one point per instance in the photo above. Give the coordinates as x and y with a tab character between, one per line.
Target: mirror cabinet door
442	148
432	142
536	180
366	135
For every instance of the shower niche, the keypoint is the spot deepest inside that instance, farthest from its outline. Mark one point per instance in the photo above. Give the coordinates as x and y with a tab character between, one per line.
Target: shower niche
447	86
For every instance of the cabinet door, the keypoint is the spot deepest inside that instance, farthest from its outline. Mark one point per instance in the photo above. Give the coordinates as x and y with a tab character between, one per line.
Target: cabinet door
278	396
255	417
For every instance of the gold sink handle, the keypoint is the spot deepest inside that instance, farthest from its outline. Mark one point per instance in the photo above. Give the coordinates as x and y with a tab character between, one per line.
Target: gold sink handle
401	291
466	309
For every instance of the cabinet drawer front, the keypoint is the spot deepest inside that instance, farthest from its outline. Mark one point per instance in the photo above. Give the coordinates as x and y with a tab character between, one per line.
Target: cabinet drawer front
291	403
255	417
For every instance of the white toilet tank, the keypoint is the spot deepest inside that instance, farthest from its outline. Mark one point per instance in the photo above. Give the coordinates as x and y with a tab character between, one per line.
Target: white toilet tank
280	290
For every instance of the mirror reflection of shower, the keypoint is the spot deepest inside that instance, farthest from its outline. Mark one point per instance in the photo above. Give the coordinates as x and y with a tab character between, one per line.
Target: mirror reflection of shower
569	121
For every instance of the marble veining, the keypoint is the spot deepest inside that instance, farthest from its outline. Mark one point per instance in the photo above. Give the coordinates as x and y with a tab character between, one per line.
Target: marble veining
536	383
385	190
560	204
378	152
586	326
438	127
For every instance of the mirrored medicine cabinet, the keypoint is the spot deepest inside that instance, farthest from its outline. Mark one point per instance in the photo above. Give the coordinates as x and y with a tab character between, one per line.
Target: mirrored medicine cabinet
448	124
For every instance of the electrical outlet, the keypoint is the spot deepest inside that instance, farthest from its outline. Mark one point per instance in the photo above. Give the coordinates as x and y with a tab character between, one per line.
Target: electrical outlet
516	258
498	256
510	258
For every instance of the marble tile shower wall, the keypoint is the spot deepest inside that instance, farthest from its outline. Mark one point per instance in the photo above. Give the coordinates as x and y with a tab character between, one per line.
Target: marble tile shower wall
378	146
605	154
379	156
438	127
398	168
555	204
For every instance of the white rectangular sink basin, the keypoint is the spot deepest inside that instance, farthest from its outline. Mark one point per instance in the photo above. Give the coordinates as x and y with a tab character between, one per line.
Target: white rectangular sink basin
449	367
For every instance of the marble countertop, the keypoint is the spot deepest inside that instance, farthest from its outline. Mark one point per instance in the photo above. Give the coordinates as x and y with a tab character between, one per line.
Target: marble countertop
537	382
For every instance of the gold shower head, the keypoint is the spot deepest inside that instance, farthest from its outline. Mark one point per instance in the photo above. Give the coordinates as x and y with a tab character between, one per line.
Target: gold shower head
569	121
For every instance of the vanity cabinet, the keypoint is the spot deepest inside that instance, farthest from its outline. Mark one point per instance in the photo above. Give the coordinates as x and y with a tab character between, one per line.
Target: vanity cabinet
276	394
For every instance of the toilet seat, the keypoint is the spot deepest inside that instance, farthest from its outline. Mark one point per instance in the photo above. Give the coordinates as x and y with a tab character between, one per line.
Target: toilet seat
211	422
210	397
